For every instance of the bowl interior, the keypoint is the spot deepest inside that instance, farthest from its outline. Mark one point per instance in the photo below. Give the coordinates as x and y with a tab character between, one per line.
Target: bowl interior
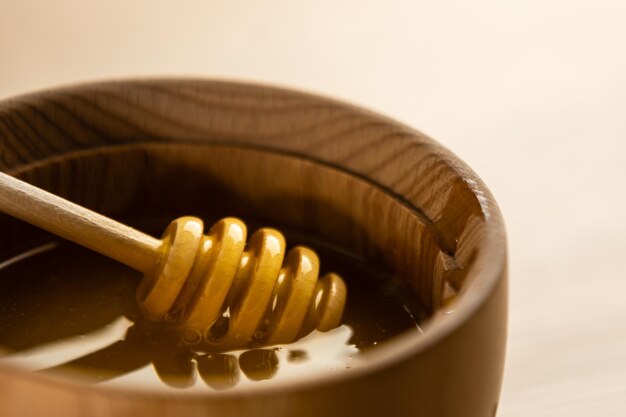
148	183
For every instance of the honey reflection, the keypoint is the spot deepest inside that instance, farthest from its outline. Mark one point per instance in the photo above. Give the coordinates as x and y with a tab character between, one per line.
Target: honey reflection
219	371
175	364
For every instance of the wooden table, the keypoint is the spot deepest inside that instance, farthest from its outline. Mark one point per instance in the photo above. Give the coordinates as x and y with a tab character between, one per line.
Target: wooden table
531	94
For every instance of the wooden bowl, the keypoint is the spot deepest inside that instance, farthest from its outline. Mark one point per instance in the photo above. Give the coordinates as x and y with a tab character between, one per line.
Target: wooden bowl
367	183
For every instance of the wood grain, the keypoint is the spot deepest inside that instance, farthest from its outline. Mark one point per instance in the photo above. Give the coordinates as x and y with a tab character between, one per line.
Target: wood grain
369	184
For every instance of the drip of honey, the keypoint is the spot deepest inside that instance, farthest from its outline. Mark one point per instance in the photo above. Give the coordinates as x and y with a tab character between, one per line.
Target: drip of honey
67	311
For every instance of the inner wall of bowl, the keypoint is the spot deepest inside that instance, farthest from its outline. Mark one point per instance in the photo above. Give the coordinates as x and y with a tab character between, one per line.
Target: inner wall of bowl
170	180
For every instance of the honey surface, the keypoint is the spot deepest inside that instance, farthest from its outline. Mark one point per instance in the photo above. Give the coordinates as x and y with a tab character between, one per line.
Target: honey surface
69	311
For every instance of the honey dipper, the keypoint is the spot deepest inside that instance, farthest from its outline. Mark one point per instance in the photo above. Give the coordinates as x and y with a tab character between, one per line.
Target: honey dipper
191	279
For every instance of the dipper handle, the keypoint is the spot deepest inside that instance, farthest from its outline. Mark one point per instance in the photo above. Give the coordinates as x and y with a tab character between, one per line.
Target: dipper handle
78	224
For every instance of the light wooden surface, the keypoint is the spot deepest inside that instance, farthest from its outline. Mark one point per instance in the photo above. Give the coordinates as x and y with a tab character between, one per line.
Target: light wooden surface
530	94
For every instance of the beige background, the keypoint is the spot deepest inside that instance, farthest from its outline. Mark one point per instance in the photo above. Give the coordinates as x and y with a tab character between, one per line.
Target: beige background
531	93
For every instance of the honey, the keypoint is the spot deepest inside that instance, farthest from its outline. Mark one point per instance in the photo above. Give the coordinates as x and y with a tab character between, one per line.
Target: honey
65	310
